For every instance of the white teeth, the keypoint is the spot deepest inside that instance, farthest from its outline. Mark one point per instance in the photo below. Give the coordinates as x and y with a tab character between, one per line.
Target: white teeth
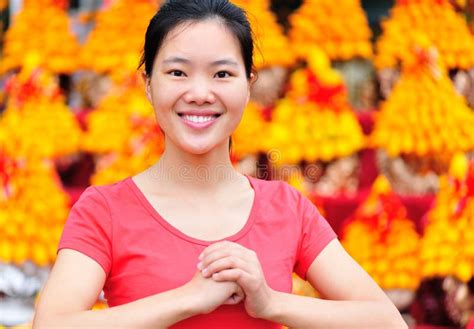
198	119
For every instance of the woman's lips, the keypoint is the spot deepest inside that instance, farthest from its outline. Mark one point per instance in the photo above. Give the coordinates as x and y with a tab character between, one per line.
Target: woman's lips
190	121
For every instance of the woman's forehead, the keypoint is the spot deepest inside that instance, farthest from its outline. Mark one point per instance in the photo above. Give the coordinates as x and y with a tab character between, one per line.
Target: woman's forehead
209	40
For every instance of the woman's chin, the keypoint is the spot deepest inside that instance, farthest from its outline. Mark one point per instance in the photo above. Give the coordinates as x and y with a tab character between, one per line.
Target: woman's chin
200	145
199	149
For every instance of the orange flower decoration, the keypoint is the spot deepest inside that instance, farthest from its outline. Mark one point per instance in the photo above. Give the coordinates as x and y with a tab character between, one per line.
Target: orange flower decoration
448	244
383	240
446	30
33	209
36	122
315	121
51	45
424	115
325	24
272	45
106	50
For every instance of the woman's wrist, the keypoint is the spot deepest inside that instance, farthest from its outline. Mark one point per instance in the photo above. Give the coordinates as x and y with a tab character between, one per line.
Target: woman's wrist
273	308
189	302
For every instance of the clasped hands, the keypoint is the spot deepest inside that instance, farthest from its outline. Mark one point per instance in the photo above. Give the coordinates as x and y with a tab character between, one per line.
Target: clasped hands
229	261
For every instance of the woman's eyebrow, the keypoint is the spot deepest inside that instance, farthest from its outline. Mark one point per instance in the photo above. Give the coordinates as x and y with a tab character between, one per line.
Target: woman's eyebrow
181	60
174	59
224	62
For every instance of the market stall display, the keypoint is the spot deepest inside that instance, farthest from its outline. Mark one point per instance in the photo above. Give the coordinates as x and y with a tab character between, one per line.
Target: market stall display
452	251
314	121
36	107
434	19
50	23
440	123
123	38
323	24
383	240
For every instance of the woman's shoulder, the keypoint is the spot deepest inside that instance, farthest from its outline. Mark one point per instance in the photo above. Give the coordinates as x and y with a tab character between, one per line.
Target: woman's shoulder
283	196
275	185
277	190
108	193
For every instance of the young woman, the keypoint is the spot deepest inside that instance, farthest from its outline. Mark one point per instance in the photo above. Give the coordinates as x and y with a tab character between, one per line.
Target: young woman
190	242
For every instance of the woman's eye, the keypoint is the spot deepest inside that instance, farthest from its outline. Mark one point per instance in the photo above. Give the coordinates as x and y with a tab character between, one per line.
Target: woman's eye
176	73
223	74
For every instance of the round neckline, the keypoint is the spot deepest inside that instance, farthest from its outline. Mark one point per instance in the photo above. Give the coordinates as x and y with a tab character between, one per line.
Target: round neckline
161	220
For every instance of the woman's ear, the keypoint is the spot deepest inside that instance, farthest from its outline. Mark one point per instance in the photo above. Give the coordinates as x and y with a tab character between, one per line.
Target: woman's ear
146	79
251	82
253	78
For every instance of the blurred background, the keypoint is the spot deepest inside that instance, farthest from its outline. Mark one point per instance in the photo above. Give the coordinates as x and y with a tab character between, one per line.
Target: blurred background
366	107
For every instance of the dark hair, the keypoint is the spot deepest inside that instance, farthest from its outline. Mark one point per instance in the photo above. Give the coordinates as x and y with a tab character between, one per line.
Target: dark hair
175	12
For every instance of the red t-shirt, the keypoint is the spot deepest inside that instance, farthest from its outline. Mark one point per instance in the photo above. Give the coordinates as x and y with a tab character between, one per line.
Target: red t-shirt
142	254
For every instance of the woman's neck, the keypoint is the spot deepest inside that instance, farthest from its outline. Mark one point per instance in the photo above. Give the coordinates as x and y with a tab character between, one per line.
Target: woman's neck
200	173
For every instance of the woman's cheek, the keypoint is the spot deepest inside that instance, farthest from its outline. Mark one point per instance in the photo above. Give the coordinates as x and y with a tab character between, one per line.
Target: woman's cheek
235	94
240	102
164	101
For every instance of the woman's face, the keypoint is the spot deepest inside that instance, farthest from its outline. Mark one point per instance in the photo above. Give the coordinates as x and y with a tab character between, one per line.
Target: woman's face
198	86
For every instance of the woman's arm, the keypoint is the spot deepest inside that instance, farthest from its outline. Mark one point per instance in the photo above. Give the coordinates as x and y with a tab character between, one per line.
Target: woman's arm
356	301
76	281
157	311
307	312
73	287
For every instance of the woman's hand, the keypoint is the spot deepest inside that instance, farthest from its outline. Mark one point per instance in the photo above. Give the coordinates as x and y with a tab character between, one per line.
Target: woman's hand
229	261
207	294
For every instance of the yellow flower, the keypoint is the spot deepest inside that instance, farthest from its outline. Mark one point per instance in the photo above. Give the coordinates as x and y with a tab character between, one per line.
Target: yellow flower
440	25
448	243
424	110
123	50
35	207
322	23
52	45
388	252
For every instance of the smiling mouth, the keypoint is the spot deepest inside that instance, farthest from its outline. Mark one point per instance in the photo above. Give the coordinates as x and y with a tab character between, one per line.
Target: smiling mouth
198	118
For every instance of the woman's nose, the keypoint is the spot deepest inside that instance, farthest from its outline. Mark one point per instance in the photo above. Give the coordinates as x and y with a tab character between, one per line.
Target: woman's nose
199	92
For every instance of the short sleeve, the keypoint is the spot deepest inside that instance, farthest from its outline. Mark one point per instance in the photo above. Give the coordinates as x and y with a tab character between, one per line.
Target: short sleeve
88	228
315	234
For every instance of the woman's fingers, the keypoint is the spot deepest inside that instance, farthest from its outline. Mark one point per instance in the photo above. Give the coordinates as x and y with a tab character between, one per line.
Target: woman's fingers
225	255
222	248
218	254
225	263
236	298
228	261
214	247
242	278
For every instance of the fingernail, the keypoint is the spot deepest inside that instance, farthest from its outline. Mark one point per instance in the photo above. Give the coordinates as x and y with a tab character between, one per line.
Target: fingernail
205	271
199	265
